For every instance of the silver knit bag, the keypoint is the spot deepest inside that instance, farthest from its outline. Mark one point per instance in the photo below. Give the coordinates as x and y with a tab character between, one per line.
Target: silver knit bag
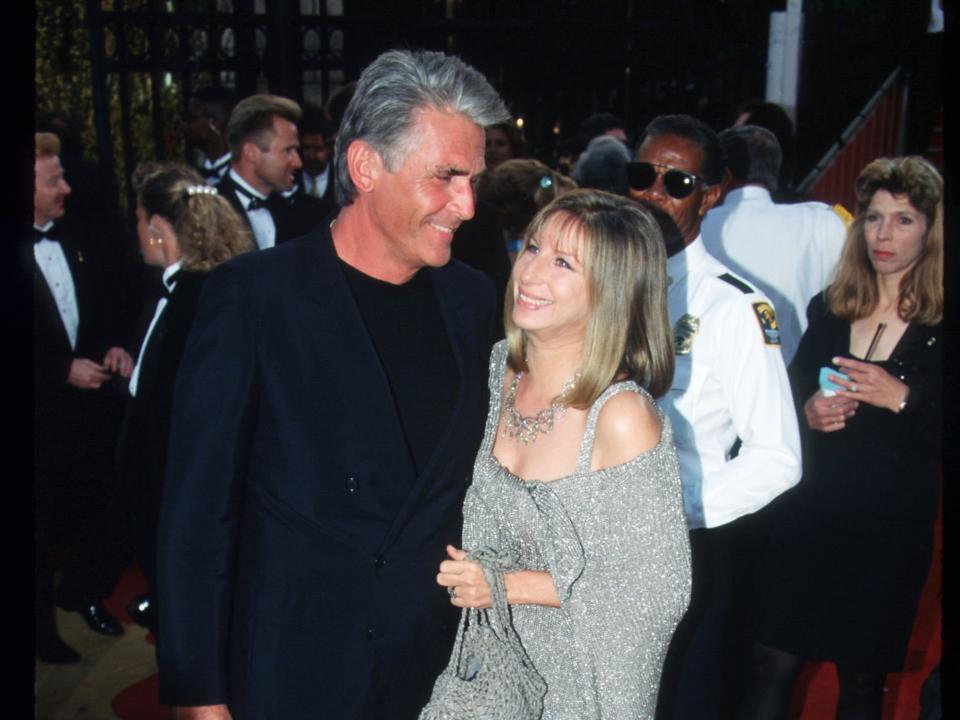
489	676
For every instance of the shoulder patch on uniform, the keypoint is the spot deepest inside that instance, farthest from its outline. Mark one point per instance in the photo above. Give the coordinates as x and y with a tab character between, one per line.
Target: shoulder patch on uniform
841	212
737	283
768	323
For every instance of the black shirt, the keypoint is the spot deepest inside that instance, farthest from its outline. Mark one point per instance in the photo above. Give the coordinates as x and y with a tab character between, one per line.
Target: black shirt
410	337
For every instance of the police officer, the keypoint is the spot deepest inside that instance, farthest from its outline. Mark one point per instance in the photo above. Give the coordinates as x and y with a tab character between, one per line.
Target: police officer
730	406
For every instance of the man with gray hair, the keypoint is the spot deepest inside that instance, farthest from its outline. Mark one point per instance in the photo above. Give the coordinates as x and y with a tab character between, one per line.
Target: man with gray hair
264	155
789	251
603	165
328	408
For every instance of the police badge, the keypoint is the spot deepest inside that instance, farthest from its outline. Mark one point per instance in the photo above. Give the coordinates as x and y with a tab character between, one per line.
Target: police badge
684	332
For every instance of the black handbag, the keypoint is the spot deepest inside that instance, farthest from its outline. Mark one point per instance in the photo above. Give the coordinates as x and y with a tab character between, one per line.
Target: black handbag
489	676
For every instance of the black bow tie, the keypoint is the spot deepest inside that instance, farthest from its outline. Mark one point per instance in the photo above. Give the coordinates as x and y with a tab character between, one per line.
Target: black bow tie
39	235
257	203
212	172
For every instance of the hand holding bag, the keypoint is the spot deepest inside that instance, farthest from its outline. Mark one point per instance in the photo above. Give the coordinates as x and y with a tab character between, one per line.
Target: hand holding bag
489	676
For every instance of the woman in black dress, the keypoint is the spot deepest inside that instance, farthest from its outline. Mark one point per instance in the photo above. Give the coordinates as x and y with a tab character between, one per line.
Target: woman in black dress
184	227
846	552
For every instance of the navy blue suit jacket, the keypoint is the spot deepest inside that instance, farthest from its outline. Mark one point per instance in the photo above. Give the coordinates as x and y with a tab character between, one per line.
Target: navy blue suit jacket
298	549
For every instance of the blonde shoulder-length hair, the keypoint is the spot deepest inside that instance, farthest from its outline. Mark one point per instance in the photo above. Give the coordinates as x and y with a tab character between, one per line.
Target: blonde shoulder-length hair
209	231
854	292
628	332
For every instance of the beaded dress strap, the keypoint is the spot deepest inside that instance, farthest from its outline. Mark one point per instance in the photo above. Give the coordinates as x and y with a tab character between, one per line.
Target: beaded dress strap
589	433
497	371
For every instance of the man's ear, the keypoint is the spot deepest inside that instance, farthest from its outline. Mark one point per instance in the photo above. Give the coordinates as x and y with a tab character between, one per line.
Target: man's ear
250	152
365	165
710	197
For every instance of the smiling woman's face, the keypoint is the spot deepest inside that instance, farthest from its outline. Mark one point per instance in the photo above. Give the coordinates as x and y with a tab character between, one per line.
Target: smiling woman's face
550	293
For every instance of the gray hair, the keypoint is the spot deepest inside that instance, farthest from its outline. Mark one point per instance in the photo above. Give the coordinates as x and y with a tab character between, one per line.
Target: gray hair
388	95
603	165
753	155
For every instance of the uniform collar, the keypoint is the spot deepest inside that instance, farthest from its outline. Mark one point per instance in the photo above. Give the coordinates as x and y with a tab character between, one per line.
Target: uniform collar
748	192
685	261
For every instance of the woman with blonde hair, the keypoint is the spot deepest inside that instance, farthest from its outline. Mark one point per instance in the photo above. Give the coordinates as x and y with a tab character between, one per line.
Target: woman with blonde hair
576	487
847	551
186	228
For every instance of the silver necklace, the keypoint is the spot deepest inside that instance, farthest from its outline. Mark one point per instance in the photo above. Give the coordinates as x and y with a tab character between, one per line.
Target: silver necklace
526	429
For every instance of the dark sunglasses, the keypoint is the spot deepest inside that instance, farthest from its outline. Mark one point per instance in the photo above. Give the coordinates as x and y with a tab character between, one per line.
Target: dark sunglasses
677	183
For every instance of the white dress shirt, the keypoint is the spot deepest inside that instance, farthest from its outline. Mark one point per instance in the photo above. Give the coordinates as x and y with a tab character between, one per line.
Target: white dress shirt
170	284
730	382
56	271
221	165
264	228
789	252
316	186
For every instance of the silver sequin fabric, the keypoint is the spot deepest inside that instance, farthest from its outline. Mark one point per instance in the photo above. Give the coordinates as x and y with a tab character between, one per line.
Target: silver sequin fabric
615	542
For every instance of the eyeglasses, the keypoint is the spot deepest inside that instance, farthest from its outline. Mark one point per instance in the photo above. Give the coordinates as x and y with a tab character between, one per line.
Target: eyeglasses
677	183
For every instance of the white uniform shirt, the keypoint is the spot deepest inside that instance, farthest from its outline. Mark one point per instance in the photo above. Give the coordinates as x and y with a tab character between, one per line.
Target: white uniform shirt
264	229
169	282
730	382
56	271
788	252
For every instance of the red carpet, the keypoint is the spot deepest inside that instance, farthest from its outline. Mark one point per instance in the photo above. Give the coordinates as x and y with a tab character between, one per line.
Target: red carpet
815	697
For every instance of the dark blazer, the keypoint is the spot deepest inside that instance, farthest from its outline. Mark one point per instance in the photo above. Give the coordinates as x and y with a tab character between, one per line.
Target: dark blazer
142	449
66	418
298	549
298	215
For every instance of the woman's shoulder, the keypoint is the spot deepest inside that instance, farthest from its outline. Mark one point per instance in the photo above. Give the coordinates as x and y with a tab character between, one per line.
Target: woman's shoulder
628	424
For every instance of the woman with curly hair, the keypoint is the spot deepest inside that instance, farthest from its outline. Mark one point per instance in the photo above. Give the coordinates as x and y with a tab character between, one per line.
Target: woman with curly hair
187	229
847	551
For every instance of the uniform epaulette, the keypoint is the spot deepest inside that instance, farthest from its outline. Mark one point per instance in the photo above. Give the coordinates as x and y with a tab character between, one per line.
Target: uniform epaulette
737	283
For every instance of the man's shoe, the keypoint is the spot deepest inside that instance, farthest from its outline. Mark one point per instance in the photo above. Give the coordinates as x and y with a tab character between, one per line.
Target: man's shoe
52	649
97	618
143	611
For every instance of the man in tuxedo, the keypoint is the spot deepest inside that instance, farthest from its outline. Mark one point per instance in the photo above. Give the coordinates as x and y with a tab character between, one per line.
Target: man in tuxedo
327	412
205	128
265	155
316	149
79	526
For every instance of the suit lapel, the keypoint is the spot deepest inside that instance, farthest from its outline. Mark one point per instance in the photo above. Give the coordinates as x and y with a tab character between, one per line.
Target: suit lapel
340	338
227	188
450	300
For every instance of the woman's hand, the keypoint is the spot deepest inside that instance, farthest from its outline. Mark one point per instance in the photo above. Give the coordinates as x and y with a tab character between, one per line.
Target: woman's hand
465	578
829	414
871	384
119	361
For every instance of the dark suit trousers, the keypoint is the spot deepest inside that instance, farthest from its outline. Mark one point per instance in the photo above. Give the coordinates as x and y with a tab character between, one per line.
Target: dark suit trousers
80	523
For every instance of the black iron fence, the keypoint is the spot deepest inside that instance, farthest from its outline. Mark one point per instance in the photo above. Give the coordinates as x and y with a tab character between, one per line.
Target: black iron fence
554	63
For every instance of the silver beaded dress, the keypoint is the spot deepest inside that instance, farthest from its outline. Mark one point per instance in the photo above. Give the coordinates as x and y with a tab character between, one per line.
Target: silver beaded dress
615	542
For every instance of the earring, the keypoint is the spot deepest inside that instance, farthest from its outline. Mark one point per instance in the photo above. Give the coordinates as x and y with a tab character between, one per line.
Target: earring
155	237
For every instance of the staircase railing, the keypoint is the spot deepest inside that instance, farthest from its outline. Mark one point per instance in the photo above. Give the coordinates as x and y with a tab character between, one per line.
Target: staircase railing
877	131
